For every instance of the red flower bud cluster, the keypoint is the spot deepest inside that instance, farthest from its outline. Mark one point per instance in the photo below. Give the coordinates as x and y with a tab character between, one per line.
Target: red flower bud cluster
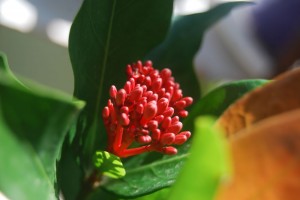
144	115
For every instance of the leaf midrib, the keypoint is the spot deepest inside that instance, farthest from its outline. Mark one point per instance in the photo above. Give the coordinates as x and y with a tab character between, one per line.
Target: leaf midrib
92	130
105	58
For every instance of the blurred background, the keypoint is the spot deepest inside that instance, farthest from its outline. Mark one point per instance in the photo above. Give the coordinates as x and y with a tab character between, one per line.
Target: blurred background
34	36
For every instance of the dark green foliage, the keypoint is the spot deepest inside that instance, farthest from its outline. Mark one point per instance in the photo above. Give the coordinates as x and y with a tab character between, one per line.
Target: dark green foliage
183	41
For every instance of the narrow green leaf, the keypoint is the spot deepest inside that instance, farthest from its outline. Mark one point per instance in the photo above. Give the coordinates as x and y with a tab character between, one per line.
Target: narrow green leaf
107	35
207	164
35	121
4	67
215	102
3	62
147	178
109	164
183	41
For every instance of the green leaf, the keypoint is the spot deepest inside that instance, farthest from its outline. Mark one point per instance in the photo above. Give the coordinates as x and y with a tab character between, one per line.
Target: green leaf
101	194
3	62
33	123
182	43
217	101
207	163
109	164
107	35
4	67
22	173
69	171
147	178
158	195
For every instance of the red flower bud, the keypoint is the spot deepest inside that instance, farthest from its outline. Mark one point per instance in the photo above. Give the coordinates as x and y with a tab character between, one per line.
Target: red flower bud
135	94
148	63
156	85
141	78
161	92
188	100
153	97
175	119
159	118
168	112
177	95
166	123
162	105
132	81
127	87
152	125
175	128
147	81
156	134
186	133
154	74
124	109
150	110
166	73
113	92
170	150
140	109
129	70
139	65
120	98
124	120
180	139
180	104
105	112
183	113
167	138
167	95
144	139
143	132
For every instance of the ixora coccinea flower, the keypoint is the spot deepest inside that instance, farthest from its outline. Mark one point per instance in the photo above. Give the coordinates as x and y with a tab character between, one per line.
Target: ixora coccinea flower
145	114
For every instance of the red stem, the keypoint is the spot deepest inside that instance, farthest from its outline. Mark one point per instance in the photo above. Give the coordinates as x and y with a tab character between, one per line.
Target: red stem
118	139
134	151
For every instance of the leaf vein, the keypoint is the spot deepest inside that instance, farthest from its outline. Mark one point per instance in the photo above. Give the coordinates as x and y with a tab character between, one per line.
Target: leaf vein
156	164
105	58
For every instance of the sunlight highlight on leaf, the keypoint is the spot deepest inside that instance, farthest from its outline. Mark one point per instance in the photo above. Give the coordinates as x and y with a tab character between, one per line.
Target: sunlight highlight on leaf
109	164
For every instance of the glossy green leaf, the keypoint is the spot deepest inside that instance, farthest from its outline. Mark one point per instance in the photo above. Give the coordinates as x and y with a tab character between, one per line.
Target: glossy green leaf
34	122
147	178
216	101
158	195
107	35
109	164
182	43
206	165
